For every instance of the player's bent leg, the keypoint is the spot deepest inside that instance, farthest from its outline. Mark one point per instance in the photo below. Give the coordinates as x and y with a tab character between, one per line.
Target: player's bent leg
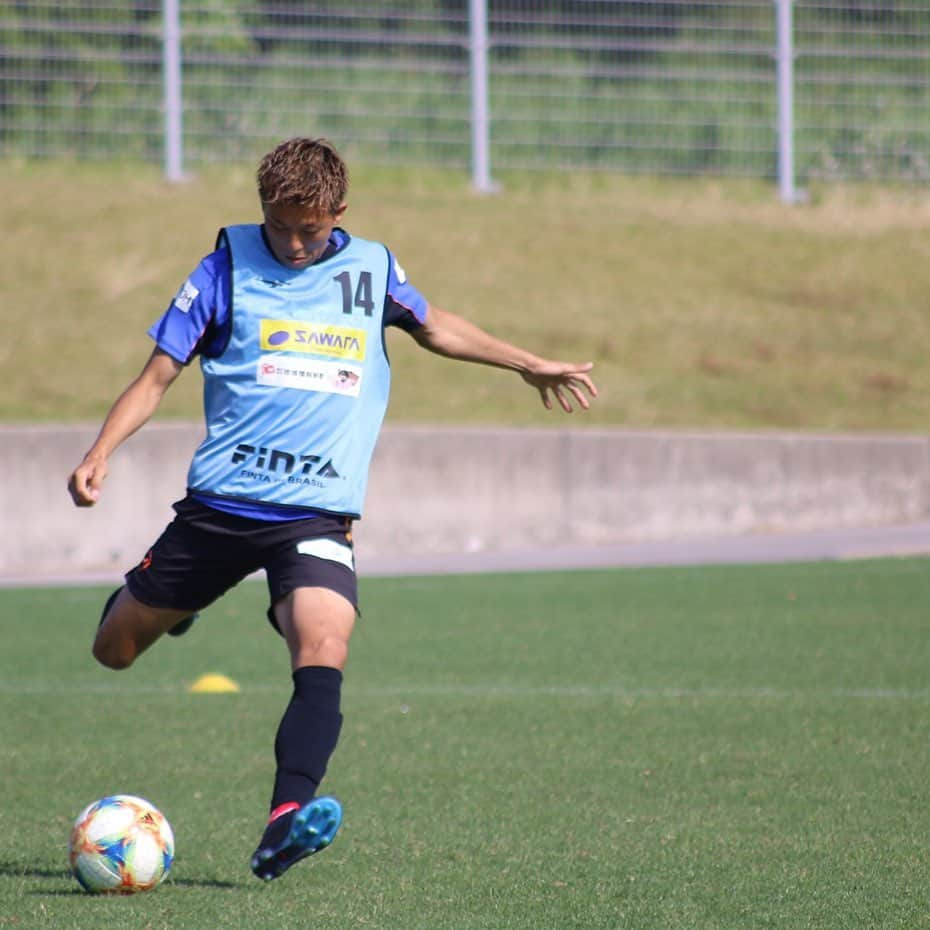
129	627
179	629
317	625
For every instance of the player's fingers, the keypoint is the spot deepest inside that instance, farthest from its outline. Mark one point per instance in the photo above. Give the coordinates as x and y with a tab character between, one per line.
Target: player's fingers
77	493
589	384
582	379
579	396
562	399
84	487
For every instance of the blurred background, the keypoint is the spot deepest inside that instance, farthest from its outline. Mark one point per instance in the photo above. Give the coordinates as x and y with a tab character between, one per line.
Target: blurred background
723	204
794	90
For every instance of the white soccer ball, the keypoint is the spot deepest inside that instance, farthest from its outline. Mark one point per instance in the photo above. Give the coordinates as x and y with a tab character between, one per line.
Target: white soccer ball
121	844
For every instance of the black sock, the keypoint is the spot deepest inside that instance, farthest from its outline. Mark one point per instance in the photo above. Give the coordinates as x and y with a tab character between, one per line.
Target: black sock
307	735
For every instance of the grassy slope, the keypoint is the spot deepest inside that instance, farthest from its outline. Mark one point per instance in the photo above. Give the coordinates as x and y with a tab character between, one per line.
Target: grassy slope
703	304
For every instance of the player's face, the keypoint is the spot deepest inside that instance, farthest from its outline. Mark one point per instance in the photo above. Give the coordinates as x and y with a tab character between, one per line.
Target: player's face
298	235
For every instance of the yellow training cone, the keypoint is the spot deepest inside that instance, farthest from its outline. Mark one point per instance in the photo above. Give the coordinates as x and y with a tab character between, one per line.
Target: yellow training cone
213	684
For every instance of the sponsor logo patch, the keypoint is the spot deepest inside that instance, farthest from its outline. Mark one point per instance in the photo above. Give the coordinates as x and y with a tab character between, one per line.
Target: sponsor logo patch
186	296
313	338
308	374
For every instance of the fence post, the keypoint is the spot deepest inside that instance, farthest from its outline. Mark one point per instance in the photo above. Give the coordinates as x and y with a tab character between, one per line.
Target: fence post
784	67
480	119
171	89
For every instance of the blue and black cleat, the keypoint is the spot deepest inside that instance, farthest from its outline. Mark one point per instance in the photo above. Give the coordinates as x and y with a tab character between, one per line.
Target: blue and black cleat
311	829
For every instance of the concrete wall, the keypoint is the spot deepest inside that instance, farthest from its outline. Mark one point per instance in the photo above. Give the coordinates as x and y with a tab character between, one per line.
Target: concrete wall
442	490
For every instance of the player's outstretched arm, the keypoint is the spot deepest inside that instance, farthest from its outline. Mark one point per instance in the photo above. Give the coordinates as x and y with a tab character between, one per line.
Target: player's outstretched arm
455	337
132	409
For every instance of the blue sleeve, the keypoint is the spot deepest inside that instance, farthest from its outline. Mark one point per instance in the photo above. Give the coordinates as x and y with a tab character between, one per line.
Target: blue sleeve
404	305
196	321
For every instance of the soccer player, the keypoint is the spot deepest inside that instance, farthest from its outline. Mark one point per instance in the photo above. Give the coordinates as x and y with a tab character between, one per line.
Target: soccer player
287	318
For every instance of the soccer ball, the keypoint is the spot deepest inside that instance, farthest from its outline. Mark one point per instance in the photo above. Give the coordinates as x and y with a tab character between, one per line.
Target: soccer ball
121	844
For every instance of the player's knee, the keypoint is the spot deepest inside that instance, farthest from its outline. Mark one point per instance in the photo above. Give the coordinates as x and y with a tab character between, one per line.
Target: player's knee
331	651
338	654
112	655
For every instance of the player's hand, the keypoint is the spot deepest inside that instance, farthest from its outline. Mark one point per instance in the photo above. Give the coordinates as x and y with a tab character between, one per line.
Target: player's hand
86	482
563	381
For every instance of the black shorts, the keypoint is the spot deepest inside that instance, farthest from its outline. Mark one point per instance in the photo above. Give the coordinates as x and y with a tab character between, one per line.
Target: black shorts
204	552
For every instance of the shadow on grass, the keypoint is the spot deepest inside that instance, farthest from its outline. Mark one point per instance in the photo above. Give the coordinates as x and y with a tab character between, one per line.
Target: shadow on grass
20	870
203	883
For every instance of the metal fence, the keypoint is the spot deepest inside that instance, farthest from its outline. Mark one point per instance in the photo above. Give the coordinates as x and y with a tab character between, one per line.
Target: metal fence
841	91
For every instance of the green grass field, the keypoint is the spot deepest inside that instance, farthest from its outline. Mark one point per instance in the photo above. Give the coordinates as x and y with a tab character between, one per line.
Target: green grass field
702	303
723	748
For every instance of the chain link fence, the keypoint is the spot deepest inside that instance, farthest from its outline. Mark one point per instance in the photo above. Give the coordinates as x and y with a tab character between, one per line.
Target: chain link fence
667	87
862	97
